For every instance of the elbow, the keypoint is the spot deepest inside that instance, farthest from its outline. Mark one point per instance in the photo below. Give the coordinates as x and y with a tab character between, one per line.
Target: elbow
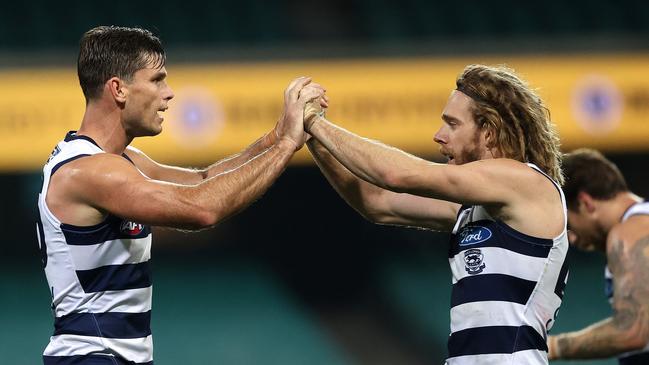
635	338
401	180
393	181
376	215
202	219
371	205
383	221
371	217
632	344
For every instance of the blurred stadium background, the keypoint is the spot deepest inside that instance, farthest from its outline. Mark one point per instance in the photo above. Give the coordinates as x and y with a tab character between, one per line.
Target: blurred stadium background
300	278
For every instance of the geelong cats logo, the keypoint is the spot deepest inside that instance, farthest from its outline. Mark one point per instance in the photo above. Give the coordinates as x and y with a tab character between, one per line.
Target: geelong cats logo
473	261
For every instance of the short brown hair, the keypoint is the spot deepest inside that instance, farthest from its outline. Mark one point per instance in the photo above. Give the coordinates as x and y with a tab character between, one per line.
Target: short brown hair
589	171
110	51
516	115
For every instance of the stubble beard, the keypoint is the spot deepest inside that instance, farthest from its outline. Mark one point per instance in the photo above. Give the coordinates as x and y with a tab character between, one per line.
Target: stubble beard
144	129
474	152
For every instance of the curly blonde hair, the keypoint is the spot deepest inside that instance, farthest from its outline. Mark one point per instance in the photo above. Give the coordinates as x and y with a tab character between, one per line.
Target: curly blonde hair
515	114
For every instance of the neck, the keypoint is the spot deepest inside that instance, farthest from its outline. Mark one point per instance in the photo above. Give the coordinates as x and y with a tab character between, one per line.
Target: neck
102	123
613	210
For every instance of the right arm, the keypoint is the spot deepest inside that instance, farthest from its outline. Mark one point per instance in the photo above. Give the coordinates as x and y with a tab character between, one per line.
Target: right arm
293	113
628	328
380	205
110	184
107	183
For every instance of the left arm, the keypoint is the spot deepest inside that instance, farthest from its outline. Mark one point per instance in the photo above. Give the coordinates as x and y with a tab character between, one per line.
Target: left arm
628	328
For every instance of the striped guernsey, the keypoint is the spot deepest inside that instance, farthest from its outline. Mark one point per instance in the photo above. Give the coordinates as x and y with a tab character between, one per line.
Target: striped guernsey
99	279
507	289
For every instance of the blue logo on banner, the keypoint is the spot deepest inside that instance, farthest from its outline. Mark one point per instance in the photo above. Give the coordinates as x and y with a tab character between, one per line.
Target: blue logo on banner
474	234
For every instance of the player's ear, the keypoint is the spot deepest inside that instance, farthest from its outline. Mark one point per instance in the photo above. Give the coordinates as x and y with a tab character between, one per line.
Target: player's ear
489	136
117	89
586	201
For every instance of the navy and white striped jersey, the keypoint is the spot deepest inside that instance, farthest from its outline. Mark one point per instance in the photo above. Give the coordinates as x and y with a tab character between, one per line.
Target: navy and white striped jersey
99	279
507	289
640	357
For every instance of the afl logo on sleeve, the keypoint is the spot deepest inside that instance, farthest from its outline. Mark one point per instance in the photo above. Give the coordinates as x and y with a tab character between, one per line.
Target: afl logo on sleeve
470	235
131	228
473	261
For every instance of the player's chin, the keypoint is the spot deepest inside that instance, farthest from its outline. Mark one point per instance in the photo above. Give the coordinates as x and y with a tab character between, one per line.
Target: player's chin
157	131
156	126
153	130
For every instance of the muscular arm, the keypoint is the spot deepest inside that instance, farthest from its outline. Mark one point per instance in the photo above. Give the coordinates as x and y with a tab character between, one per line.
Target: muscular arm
495	181
292	111
181	175
111	184
628	328
94	185
380	205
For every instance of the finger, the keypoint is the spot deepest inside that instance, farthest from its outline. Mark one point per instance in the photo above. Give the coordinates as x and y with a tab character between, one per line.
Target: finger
315	84
309	94
307	91
310	88
323	102
291	85
294	92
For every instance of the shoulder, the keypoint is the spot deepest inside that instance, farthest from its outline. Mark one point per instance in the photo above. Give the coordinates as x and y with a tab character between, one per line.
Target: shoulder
505	167
534	205
616	250
629	241
636	226
77	187
631	231
100	166
498	163
615	241
518	177
99	161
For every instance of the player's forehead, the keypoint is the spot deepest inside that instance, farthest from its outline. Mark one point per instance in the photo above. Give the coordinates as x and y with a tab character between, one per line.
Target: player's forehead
458	108
152	71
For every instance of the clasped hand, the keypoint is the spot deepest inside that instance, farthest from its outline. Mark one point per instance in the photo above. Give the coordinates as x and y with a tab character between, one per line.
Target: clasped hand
303	101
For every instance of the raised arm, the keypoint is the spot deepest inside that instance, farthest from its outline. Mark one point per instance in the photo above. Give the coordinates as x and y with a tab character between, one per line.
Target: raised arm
379	205
111	184
105	183
182	175
628	328
493	181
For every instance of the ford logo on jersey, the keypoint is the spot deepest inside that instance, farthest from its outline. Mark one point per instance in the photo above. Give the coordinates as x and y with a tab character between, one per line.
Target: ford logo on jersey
471	235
